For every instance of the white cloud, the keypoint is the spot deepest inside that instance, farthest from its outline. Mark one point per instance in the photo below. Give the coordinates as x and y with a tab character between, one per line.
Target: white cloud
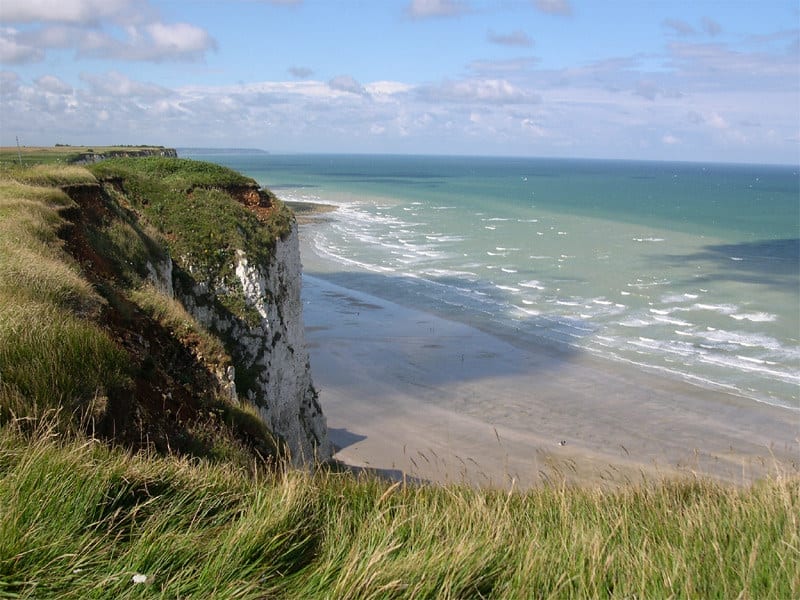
515	38
554	7
346	83
15	52
53	85
106	29
670	140
423	9
179	38
62	11
480	91
115	84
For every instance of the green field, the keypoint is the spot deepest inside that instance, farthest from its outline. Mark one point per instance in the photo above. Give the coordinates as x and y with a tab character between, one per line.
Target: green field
30	155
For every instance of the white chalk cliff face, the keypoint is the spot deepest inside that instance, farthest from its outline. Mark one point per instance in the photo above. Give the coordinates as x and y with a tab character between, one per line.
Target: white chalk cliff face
269	351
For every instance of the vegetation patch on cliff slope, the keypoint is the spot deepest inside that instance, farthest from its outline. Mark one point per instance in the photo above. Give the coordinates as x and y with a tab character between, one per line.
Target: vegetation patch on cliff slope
83	334
191	203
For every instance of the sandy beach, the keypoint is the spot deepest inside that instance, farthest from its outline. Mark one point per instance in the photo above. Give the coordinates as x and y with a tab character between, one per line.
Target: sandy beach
411	394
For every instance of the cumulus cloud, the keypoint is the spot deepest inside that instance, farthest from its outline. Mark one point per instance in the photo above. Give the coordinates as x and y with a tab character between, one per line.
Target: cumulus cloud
515	38
116	84
480	91
14	51
9	82
179	38
423	9
346	83
554	7
116	29
62	11
53	85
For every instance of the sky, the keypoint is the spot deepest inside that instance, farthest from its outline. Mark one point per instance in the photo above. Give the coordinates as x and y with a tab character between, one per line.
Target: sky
697	80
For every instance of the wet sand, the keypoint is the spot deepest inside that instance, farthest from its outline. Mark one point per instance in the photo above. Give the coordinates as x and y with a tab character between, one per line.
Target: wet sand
411	394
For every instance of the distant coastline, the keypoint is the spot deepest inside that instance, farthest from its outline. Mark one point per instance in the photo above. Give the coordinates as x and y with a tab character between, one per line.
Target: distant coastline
221	151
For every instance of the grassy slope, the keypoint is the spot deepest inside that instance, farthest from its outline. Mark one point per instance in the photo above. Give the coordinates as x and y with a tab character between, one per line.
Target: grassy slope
30	155
79	519
82	333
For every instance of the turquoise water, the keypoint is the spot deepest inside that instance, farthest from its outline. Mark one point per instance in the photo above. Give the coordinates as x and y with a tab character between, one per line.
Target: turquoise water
688	269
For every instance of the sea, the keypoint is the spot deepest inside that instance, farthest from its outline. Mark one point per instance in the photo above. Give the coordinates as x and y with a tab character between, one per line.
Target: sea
686	269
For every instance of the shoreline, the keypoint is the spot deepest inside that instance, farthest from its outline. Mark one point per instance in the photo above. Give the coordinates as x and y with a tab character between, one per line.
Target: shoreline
411	394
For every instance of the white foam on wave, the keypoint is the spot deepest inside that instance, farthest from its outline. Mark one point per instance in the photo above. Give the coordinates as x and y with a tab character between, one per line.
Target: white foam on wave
440	237
506	270
745	340
534	284
672	321
568	303
677	298
636	322
648	239
450	273
723	309
751	366
760	317
507	288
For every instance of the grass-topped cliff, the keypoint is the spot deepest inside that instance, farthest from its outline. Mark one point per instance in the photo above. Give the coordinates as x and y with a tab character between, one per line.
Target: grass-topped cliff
127	472
83	329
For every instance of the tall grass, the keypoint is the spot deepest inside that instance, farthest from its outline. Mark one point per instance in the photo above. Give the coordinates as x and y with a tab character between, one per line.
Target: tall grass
51	354
79	520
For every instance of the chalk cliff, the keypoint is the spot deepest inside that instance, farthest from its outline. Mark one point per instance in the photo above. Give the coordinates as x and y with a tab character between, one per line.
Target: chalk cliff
269	349
228	252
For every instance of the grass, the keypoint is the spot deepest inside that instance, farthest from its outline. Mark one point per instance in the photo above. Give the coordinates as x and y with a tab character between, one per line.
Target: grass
62	154
51	354
80	520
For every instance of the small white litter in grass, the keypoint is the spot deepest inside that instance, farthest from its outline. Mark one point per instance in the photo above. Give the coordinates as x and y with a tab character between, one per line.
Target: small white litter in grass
139	578
76	571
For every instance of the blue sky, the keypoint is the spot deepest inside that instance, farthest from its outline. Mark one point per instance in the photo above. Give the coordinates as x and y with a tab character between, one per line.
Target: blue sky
661	80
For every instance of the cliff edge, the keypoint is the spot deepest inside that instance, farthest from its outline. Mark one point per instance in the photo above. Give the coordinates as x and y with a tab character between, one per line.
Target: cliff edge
187	276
